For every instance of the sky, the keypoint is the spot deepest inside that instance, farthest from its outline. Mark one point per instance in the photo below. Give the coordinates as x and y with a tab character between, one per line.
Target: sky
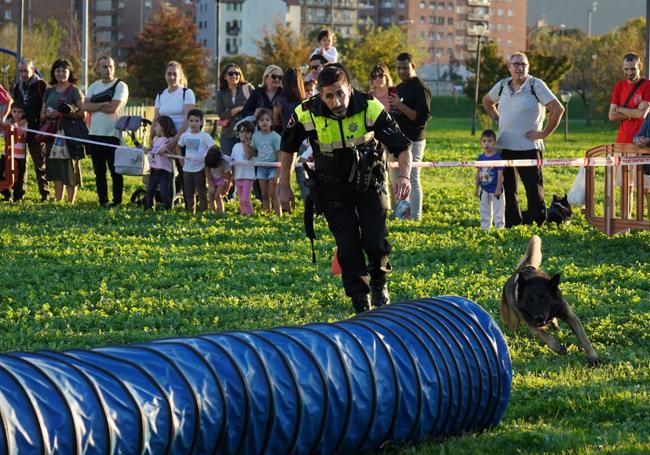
573	13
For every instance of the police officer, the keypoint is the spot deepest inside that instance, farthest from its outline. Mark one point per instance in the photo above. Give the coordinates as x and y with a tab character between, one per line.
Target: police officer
348	186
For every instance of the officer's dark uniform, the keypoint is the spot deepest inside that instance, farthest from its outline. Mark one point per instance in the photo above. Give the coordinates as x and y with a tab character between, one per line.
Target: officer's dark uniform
356	218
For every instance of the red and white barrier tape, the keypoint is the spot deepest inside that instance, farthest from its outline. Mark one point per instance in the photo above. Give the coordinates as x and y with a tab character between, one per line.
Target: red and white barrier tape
573	162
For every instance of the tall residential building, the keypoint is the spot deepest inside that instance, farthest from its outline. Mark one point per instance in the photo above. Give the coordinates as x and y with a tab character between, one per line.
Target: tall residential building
241	23
441	28
341	16
114	24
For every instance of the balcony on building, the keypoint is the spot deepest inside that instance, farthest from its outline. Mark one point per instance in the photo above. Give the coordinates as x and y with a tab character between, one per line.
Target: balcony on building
478	2
473	15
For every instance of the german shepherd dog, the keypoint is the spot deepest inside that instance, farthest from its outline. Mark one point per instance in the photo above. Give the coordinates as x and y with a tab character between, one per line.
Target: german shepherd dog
559	210
532	296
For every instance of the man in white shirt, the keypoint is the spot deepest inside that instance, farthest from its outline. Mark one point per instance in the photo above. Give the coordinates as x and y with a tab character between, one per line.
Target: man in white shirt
105	100
522	103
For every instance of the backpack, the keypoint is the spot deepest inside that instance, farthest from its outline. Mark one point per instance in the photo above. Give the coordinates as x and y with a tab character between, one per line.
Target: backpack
161	92
503	83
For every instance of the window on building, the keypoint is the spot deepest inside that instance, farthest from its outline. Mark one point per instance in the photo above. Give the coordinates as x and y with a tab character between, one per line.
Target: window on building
511	13
500	12
440	20
509	43
422	19
103	5
510	28
8	15
431	50
422	5
499	27
421	35
431	35
450	21
148	4
450	36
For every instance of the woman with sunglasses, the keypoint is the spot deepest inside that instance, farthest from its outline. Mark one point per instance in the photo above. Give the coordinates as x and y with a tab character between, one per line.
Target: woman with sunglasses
234	91
264	95
380	81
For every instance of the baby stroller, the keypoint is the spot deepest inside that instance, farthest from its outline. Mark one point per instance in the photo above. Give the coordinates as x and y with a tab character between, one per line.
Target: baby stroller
132	125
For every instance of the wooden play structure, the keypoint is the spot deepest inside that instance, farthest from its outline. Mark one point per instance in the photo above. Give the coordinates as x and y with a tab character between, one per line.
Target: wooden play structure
621	210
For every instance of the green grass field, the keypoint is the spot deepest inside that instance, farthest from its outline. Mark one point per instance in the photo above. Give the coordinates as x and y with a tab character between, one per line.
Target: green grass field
81	276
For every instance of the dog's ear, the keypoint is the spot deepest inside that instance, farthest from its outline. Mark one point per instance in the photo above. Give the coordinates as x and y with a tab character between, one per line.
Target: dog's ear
520	284
556	198
554	283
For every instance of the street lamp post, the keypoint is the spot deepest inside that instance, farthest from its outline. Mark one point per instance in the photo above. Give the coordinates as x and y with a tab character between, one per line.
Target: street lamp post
482	26
565	97
591	11
438	55
217	64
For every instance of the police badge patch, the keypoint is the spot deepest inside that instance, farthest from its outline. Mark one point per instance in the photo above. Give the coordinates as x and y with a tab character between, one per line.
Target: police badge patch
353	127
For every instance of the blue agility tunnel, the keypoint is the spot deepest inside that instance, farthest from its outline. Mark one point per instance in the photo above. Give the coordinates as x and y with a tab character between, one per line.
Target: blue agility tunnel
406	372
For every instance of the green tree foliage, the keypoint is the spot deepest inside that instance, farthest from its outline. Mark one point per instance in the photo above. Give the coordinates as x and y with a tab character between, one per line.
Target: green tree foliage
549	68
281	47
378	45
607	60
596	62
41	42
493	69
168	36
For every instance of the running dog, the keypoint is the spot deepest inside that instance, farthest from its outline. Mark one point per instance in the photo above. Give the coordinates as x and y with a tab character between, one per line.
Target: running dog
532	296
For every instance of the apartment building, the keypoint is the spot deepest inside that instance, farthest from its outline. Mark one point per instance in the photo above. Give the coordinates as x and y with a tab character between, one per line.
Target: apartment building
342	16
442	28
241	23
114	24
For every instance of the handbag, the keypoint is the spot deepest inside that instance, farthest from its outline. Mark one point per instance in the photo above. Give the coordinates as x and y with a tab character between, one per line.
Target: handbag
576	195
50	126
75	128
130	161
59	150
105	96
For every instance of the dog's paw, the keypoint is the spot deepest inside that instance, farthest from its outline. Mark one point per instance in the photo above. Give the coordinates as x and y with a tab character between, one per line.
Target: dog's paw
560	349
593	361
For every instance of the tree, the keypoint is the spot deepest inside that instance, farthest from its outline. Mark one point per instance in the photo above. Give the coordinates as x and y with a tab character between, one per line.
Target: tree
596	61
42	43
549	68
578	48
378	45
607	60
493	69
283	48
168	36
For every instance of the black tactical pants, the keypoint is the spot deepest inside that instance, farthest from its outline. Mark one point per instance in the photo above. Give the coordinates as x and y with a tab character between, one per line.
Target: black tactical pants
358	223
531	177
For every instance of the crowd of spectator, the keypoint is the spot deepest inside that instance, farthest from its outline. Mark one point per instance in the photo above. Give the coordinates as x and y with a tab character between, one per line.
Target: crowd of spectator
252	119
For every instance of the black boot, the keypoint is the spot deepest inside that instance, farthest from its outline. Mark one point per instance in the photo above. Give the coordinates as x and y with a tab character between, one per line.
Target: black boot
361	303
379	293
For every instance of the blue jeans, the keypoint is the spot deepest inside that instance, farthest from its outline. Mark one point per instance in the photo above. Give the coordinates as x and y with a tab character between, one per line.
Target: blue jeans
162	180
417	151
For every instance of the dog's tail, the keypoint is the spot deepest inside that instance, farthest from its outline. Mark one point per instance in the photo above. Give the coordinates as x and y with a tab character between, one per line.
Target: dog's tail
533	256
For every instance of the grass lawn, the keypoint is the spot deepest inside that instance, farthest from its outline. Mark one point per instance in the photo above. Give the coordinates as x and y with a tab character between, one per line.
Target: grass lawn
82	276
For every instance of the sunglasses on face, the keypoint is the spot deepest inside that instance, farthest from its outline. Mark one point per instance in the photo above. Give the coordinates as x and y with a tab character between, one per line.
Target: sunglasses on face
233	73
277	77
378	75
316	67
